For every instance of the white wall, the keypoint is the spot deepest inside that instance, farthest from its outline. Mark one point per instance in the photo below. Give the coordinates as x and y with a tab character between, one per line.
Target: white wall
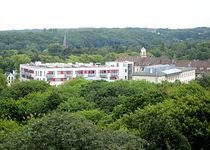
184	77
40	73
152	79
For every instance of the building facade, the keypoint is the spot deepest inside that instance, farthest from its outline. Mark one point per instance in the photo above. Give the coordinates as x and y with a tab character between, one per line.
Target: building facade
201	66
57	73
170	73
10	77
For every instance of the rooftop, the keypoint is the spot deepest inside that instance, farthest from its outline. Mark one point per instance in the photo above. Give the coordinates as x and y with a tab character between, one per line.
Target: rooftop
162	70
70	65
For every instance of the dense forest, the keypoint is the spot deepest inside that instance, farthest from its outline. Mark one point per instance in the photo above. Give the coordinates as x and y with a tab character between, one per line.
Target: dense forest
179	43
100	45
89	115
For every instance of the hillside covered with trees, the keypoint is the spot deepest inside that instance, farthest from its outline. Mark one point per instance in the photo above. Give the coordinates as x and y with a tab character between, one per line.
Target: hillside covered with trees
90	115
179	43
100	45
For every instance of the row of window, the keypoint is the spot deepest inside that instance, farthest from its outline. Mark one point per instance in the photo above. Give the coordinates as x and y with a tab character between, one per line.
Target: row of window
27	70
182	75
43	73
187	74
85	72
171	78
64	72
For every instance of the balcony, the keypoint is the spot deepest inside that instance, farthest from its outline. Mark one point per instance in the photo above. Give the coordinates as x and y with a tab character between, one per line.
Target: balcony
114	74
103	75
49	76
80	75
68	75
91	75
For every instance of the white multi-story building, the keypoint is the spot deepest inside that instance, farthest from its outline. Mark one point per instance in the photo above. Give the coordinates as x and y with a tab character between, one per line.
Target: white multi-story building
57	73
159	73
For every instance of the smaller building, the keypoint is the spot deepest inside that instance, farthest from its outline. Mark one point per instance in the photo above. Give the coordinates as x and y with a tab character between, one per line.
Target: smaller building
201	66
10	77
170	73
143	52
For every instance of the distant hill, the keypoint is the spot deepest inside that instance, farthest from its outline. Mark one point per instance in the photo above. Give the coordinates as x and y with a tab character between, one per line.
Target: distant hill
99	37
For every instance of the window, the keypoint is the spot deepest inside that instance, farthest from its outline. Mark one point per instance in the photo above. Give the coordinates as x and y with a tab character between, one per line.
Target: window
91	72
68	72
125	70
40	73
50	72
103	71
52	79
60	72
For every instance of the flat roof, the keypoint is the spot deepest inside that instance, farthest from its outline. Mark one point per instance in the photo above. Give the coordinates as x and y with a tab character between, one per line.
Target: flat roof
176	70
157	66
148	74
172	71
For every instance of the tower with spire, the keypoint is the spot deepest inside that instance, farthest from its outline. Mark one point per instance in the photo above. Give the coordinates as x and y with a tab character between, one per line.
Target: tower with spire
64	41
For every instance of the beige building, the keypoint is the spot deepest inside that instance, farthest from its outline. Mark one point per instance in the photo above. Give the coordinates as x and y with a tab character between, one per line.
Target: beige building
201	66
170	73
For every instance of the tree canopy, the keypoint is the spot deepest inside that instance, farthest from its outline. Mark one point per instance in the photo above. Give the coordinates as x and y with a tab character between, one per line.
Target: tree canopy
83	114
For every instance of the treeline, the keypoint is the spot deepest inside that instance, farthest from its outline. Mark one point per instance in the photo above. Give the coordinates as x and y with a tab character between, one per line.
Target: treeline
177	44
11	59
83	114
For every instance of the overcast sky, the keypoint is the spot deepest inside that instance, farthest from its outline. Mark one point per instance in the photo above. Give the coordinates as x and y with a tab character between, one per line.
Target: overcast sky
30	14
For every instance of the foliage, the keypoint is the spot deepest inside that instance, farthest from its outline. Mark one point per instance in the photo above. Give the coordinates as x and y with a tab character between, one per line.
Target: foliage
3	82
108	96
68	131
55	49
8	109
97	45
19	59
84	58
8	129
83	114
204	81
71	88
74	104
37	104
184	119
94	115
21	89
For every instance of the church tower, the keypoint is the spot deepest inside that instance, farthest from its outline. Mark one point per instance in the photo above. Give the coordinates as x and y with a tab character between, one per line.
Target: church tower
143	52
64	41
